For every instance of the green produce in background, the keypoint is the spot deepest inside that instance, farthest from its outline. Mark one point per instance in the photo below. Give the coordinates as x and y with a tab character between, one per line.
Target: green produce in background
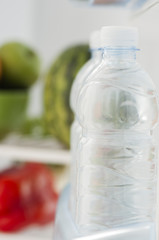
0	70
13	105
20	66
58	82
35	127
19	69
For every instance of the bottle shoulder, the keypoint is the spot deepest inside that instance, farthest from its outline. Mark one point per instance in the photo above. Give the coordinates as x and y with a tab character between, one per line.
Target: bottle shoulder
114	98
85	71
132	77
87	67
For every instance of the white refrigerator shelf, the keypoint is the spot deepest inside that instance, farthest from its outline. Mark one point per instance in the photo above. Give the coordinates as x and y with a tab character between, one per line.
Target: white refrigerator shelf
46	150
32	233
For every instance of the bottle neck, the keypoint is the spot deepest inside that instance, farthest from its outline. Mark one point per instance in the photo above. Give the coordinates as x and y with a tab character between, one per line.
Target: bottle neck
96	53
119	56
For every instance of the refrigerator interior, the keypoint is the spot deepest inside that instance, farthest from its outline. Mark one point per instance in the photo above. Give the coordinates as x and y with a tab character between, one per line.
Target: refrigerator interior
50	26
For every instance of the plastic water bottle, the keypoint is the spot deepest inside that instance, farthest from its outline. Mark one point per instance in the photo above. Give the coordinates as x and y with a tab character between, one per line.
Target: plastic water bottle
90	66
116	158
95	60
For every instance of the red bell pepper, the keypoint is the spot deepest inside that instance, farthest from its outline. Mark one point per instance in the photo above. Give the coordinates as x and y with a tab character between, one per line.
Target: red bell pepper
27	196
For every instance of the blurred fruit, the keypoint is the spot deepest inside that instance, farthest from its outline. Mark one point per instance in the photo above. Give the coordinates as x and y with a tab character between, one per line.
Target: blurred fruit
58	84
34	127
35	178
14	220
13	106
45	209
0	69
27	196
21	66
39	212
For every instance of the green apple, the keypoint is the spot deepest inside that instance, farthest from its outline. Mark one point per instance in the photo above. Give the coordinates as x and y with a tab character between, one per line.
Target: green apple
0	69
20	64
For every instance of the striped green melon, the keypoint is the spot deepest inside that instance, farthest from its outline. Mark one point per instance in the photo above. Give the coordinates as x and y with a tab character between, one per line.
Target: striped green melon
58	82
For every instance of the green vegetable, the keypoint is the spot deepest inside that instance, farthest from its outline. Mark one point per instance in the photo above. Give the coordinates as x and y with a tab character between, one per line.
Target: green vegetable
20	66
13	105
58	84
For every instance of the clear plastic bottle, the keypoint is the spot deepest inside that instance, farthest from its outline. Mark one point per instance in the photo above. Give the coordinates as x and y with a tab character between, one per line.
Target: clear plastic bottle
117	109
90	66
95	60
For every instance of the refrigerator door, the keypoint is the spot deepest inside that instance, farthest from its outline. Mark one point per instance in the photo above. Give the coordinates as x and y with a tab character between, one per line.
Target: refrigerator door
65	228
140	232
